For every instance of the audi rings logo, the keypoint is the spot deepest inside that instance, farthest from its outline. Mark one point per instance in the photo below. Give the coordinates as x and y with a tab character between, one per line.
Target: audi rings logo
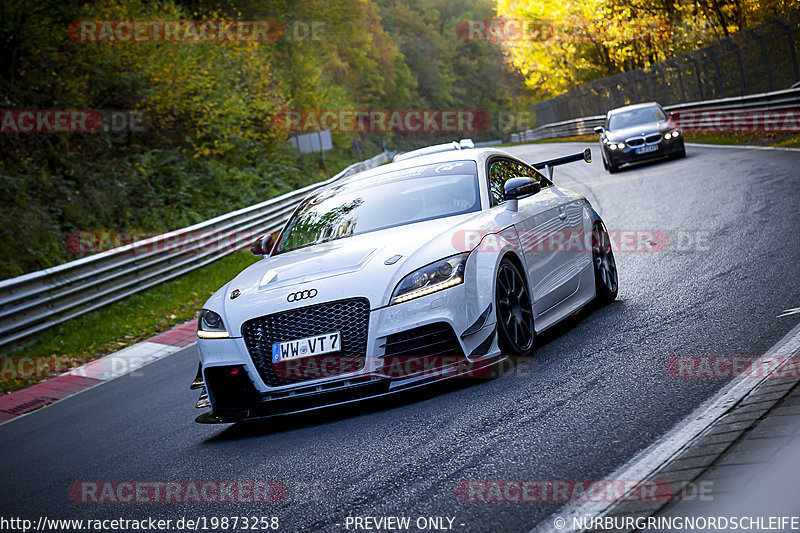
301	295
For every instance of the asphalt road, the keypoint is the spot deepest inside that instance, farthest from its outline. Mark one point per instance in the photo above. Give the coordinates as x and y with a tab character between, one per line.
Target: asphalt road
595	393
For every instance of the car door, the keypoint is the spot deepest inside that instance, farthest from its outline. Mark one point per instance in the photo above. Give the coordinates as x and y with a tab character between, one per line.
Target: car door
543	220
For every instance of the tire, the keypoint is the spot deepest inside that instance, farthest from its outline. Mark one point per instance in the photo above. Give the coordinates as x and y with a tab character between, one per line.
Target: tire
515	331
612	168
606	280
681	154
605	164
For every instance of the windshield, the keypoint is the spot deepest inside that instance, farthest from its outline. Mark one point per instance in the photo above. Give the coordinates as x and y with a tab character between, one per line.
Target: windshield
634	117
392	199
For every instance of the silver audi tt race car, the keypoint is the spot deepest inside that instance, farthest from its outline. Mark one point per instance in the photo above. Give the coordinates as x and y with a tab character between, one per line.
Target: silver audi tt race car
437	265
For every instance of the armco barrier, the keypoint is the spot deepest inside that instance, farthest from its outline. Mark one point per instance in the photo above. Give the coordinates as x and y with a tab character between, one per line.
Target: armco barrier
773	111
36	301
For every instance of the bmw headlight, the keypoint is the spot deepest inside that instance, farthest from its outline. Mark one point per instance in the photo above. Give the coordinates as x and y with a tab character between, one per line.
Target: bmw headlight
431	278
210	326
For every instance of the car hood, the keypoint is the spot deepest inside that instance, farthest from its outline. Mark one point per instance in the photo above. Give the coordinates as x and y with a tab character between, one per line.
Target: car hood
345	268
639	130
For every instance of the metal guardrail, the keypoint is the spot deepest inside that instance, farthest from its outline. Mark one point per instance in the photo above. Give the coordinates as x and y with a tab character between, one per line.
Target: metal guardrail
788	99
36	301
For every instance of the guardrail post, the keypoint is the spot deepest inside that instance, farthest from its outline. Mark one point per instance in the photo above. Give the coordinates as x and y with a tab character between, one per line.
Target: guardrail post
764	55
720	88
789	32
697	74
648	79
632	75
738	53
680	79
665	94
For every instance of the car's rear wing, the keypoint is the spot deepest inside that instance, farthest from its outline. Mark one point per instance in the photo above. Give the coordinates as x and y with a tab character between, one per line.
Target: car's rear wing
548	165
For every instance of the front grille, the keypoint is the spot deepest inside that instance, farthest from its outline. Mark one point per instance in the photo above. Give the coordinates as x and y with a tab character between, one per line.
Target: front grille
421	350
349	317
653	139
636	141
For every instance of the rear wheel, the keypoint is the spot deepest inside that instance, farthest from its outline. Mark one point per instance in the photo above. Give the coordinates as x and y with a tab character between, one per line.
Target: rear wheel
514	310
606	280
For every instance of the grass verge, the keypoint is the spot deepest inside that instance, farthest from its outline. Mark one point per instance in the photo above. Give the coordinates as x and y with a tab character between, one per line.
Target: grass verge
575	139
753	138
120	324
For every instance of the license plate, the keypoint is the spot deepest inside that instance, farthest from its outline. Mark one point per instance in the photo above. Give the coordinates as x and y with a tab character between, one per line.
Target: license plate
316	345
646	149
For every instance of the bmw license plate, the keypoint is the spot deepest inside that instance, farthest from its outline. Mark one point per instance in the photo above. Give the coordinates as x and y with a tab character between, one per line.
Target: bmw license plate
645	149
316	345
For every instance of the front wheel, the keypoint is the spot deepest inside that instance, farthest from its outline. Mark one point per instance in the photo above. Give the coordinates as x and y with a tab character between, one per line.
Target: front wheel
606	280
514	310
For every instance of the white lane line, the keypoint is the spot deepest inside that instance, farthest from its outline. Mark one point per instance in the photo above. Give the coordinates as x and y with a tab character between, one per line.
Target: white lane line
787	312
744	146
643	464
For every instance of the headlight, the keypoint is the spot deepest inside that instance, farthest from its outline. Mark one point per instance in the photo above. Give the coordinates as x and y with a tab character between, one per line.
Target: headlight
621	146
437	276
210	326
612	146
672	134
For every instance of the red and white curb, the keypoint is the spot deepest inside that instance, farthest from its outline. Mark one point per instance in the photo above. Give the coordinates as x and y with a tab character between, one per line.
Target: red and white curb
106	368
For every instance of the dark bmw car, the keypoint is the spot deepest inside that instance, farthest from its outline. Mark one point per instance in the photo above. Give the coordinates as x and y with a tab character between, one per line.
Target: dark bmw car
638	133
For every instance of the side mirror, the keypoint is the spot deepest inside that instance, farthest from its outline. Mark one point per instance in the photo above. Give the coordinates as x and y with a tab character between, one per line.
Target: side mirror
263	245
516	188
599	129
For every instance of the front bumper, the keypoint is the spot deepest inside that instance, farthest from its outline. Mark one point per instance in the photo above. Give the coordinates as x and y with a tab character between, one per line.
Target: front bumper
252	393
338	392
664	148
